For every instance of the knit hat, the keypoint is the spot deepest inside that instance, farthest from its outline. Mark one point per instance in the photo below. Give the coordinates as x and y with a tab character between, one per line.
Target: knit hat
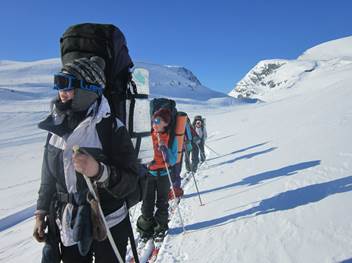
164	114
92	72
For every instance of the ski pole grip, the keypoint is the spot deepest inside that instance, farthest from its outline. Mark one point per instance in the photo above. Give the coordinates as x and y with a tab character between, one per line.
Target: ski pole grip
76	149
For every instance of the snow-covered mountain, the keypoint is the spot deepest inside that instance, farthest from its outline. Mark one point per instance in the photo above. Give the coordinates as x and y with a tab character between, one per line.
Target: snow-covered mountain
26	80
177	82
269	78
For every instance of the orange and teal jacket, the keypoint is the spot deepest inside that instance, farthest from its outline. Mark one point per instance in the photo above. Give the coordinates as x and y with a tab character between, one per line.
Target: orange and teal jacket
157	166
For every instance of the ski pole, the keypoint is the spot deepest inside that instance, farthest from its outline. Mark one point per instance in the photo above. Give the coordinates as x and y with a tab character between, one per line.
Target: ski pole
172	189
195	182
76	149
211	149
196	185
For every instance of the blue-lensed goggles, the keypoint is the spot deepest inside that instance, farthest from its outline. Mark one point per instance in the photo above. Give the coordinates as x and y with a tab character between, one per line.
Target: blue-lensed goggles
156	121
67	82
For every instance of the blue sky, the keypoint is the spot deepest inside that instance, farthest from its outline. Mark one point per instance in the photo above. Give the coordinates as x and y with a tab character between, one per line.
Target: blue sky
220	41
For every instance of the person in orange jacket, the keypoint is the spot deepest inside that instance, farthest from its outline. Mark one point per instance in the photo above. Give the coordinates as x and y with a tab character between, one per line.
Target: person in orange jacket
151	224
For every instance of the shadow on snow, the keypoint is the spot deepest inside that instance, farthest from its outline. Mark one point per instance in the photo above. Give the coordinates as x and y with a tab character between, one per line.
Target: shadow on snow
246	156
255	179
283	201
238	151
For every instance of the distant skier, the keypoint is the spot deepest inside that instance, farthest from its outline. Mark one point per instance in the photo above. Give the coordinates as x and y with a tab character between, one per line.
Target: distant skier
151	224
81	116
199	126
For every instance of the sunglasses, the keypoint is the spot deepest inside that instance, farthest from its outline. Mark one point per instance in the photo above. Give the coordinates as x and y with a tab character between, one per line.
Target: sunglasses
157	121
66	82
198	123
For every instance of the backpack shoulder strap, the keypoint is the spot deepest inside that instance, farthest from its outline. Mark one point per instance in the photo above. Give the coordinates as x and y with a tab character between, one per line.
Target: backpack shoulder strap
105	130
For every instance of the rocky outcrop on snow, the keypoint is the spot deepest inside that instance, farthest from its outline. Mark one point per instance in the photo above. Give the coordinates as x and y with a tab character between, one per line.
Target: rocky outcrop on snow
271	76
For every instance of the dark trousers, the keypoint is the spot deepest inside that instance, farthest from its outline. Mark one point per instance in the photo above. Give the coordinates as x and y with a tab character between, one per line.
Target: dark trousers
188	161
176	173
156	186
196	150
202	152
102	251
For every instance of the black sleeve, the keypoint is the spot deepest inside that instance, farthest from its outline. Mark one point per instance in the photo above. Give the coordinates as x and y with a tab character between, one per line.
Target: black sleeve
124	164
47	183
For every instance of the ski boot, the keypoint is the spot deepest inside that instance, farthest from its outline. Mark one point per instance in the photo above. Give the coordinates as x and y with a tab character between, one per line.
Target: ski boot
160	232
145	227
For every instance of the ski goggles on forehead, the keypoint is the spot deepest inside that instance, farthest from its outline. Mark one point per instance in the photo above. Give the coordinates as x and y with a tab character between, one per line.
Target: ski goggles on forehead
156	121
66	82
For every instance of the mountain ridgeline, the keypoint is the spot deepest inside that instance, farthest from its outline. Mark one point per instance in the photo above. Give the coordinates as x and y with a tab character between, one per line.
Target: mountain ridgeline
28	80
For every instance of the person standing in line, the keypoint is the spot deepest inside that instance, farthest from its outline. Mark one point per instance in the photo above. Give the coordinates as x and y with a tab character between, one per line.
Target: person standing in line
198	146
189	137
150	224
81	116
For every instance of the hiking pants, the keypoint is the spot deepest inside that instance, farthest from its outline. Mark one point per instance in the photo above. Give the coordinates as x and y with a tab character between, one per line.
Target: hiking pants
102	251
195	157
202	152
197	149
156	186
176	173
188	161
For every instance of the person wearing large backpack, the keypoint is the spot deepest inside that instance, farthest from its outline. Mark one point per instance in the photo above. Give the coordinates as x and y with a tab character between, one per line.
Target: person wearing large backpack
151	224
81	116
177	168
198	149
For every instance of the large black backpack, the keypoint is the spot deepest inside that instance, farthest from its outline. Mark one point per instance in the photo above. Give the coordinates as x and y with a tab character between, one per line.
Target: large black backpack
108	42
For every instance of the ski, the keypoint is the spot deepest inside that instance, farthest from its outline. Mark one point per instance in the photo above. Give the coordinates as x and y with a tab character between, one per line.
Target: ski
144	249
157	245
173	206
140	247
